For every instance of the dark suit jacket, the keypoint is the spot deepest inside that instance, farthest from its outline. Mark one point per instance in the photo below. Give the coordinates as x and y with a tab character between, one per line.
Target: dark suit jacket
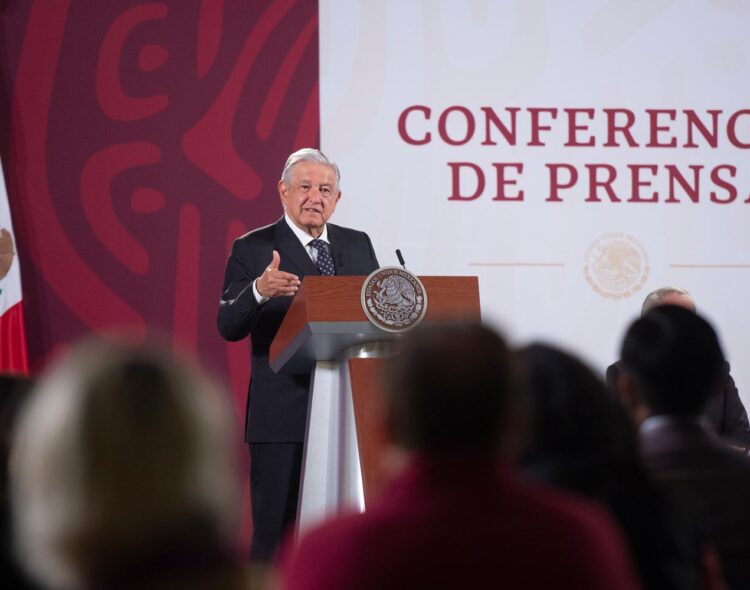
725	412
711	481
462	521
277	404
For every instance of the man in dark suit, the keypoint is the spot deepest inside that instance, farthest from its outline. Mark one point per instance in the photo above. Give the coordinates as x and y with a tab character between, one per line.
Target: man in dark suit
672	364
263	273
725	411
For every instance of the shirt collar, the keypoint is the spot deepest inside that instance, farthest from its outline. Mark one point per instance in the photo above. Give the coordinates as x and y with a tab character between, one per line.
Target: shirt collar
303	236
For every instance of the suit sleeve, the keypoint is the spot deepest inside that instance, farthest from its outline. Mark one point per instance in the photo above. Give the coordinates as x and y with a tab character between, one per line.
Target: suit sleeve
736	424
238	309
375	263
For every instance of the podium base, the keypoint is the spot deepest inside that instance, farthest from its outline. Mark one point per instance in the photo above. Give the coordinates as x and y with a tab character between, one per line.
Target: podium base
331	480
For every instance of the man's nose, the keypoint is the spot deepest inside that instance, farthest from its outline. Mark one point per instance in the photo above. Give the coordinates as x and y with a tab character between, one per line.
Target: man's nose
315	194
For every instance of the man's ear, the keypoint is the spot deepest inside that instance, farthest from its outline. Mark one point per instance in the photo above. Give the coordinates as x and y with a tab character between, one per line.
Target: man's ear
282	192
627	391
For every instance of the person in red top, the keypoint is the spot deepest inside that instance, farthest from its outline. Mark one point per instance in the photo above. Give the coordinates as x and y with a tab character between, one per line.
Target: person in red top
458	515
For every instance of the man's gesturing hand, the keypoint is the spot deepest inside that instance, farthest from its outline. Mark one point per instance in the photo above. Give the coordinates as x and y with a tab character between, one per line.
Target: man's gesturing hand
274	282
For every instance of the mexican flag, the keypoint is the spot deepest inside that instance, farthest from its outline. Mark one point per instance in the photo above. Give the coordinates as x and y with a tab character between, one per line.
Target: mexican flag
13	357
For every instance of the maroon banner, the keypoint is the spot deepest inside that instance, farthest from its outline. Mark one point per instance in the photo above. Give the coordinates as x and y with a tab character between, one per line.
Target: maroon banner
138	140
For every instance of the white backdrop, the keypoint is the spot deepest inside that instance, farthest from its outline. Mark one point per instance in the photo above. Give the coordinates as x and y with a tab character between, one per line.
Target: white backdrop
573	271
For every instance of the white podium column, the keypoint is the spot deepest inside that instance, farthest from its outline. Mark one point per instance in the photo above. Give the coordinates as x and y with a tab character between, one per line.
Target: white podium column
331	479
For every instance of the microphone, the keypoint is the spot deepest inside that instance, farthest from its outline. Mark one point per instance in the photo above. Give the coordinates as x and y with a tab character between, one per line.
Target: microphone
400	258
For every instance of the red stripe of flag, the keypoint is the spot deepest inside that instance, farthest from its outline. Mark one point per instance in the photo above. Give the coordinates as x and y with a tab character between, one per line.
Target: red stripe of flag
13	358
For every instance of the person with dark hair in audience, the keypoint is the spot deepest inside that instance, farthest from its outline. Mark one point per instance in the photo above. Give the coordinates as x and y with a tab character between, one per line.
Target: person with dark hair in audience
725	410
14	390
124	475
458	515
584	441
672	363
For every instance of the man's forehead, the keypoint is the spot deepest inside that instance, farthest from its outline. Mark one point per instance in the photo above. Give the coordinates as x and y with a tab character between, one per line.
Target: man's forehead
680	300
307	170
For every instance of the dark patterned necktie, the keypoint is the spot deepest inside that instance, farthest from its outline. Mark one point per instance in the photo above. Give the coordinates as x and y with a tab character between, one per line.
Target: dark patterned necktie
324	261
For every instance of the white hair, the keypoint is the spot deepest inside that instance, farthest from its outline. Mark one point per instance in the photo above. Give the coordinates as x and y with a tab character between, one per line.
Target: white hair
308	155
656	298
118	446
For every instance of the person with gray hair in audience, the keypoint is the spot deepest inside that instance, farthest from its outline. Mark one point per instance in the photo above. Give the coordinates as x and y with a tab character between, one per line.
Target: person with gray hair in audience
672	363
125	475
725	411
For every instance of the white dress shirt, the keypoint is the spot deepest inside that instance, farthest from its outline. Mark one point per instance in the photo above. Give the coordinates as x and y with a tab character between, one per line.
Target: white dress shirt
305	240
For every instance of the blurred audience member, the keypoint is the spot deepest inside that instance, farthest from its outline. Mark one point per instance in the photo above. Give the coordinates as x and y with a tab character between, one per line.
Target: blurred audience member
725	410
124	475
672	365
458	516
14	390
584	441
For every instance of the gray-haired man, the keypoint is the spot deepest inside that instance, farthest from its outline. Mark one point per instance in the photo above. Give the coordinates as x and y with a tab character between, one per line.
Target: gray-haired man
263	273
725	411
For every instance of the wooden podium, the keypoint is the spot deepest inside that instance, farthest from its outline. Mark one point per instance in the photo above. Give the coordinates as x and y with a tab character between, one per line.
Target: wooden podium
327	333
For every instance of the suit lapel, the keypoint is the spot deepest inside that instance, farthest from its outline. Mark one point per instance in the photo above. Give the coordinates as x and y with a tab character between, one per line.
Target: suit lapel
339	251
292	252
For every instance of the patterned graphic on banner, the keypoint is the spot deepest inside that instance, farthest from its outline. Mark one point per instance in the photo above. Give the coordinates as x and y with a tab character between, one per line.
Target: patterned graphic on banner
143	137
616	266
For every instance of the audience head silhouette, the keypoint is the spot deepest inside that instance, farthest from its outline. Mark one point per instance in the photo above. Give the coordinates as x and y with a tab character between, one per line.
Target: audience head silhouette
124	456
14	389
675	360
581	436
451	387
456	514
584	441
